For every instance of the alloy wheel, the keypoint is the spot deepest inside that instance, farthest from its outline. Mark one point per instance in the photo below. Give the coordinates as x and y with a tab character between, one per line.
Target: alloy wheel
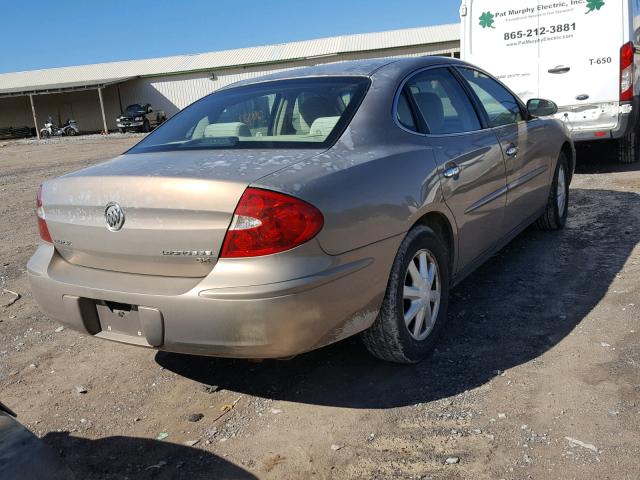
561	192
421	294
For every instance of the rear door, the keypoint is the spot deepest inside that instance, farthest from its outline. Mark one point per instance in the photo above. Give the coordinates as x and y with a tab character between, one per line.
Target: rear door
580	55
469	159
498	36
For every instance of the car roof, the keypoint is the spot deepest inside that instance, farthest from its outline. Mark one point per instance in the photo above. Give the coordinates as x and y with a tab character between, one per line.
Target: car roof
366	68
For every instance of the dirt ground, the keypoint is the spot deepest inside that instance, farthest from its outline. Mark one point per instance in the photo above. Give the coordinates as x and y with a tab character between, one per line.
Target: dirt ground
537	376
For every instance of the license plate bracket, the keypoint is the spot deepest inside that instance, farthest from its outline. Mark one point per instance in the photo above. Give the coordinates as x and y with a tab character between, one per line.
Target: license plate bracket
141	325
119	318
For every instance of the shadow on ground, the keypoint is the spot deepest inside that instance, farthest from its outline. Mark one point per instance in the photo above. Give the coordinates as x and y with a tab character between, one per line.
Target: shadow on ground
140	458
516	307
600	157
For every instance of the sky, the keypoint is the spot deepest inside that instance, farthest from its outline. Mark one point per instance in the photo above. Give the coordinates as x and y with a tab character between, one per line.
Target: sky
71	32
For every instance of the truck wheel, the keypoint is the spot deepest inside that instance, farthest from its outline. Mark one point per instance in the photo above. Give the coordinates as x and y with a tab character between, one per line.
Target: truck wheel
629	148
123	130
146	127
414	308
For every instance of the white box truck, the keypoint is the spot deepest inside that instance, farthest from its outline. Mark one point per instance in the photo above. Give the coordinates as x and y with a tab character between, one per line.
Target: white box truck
582	54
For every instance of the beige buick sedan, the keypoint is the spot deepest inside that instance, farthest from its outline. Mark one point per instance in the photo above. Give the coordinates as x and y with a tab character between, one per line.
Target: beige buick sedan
288	212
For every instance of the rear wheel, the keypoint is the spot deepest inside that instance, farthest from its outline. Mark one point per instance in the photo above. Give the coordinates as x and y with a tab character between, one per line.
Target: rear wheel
555	215
414	309
629	148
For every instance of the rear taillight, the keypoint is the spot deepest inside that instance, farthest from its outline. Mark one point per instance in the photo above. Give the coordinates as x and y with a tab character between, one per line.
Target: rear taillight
626	72
267	222
42	223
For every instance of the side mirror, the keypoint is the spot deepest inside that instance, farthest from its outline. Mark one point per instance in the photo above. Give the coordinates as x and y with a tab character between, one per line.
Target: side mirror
539	107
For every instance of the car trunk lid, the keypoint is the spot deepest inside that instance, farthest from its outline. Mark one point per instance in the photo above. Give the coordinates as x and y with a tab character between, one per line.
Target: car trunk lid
177	208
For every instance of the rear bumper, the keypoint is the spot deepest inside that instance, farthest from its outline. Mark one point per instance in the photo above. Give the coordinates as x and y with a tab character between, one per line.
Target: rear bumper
271	320
627	122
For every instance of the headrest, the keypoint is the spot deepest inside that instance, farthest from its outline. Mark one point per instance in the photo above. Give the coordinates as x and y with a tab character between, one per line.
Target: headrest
316	107
322	127
235	129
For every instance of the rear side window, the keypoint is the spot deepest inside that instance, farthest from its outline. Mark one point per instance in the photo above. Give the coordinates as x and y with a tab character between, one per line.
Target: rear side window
501	106
405	117
442	102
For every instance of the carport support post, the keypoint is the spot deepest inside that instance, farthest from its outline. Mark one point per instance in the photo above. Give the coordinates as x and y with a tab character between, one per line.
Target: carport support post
104	119
35	119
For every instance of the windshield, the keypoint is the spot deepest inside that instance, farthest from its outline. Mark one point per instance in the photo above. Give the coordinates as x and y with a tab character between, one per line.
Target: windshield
133	109
300	113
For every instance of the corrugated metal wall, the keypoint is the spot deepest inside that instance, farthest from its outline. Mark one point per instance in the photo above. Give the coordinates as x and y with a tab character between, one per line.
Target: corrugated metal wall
170	93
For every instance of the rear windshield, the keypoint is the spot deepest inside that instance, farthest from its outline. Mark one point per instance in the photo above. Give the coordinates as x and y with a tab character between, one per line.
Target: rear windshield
300	113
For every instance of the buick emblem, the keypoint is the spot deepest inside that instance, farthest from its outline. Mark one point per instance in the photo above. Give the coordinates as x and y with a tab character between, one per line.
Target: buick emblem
114	215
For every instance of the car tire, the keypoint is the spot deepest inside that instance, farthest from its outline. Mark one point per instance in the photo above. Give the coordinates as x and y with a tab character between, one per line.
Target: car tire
393	339
629	148
123	130
555	214
146	127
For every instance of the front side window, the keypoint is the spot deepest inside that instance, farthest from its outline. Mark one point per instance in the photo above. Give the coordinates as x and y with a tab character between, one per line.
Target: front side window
300	113
500	105
442	102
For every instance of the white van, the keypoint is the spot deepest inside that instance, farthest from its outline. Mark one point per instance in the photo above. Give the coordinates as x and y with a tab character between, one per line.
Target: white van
582	54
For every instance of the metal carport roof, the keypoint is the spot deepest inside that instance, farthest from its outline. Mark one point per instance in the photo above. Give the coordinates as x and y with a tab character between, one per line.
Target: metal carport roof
100	73
61	87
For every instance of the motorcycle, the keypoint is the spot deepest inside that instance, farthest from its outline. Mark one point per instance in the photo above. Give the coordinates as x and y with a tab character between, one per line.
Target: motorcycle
70	128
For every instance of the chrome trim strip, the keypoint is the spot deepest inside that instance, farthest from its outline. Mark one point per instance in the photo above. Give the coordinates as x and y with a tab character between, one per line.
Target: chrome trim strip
527	177
502	191
488	199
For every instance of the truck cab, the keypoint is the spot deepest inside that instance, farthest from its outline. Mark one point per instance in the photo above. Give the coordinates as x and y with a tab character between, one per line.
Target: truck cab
582	54
141	118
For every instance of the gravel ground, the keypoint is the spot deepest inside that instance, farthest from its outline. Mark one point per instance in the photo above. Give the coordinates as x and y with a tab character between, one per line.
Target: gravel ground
91	138
537	376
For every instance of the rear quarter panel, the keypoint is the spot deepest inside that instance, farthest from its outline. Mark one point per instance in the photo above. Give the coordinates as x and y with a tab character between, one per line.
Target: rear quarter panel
375	183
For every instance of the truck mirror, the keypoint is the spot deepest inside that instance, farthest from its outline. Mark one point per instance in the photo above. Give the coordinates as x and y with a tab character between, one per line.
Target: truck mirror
539	107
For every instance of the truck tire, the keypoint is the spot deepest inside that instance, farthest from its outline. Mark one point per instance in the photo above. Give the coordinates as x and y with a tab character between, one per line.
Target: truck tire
123	130
629	148
146	126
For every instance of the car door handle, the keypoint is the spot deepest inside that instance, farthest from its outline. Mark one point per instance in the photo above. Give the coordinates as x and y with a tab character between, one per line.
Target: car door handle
559	69
452	171
511	151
